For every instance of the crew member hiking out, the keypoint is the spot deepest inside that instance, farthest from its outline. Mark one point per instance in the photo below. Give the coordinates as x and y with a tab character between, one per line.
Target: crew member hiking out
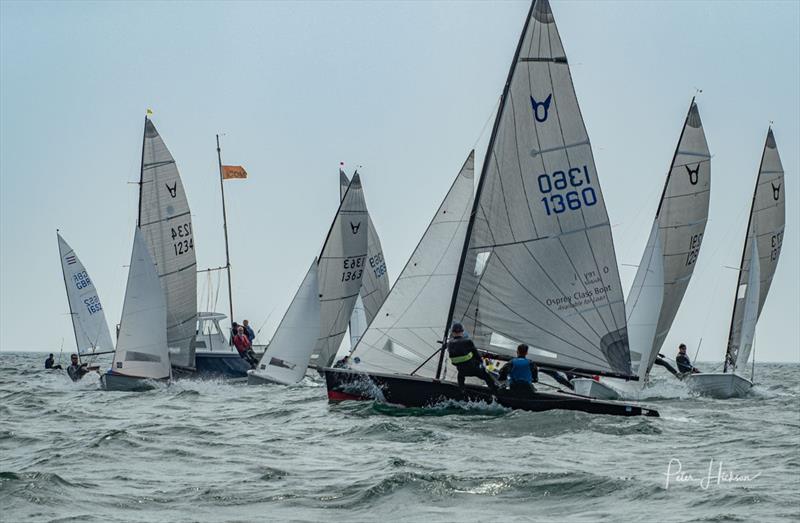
466	358
520	371
243	346
661	361
76	370
683	361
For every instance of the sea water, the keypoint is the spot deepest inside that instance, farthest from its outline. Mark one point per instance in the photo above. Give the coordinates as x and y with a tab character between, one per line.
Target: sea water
221	451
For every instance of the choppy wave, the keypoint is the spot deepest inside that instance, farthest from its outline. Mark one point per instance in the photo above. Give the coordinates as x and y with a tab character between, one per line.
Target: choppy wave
215	450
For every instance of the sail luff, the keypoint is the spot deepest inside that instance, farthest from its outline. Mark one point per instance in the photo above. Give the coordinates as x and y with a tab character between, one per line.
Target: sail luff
479	188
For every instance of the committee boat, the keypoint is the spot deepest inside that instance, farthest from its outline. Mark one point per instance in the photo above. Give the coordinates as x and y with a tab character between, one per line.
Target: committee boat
760	254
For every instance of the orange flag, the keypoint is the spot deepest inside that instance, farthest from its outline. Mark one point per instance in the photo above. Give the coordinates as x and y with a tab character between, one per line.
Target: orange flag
233	172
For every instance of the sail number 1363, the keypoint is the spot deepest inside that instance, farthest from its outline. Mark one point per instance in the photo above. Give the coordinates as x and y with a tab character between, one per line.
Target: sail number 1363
566	190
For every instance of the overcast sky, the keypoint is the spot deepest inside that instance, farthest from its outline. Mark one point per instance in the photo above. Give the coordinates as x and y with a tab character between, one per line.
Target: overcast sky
402	89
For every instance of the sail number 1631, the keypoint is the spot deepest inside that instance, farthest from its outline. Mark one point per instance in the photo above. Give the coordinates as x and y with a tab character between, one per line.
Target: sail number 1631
580	193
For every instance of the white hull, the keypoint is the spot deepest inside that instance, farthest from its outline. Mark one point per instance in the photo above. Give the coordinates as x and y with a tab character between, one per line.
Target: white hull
119	382
719	384
254	378
594	389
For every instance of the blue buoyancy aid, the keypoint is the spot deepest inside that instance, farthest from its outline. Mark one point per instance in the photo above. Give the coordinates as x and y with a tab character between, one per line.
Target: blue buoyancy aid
520	371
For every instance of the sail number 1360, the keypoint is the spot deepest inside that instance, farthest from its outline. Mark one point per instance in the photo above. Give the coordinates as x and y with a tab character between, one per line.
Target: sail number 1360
580	193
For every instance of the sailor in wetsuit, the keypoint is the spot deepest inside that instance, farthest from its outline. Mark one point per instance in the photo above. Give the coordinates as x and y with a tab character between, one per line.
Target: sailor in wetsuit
683	361
661	361
521	372
49	363
466	358
76	370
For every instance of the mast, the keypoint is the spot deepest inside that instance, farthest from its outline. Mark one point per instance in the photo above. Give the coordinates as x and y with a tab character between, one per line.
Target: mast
69	302
141	175
672	163
225	228
478	190
744	253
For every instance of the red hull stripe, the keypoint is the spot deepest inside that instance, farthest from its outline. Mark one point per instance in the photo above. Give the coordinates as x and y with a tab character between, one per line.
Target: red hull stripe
335	395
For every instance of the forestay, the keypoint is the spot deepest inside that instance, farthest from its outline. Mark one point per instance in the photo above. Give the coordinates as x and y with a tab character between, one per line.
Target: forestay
340	270
88	317
540	267
407	327
286	358
673	246
142	343
762	250
166	223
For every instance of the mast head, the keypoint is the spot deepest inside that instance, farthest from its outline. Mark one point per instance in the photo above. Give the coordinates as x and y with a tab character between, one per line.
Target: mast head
542	11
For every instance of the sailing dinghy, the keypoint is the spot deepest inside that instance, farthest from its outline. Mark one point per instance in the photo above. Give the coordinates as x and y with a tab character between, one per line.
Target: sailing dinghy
667	263
141	357
316	321
166	224
89	324
535	262
762	249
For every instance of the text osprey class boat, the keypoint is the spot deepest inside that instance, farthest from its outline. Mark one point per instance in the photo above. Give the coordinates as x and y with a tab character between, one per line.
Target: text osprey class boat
760	254
529	260
668	261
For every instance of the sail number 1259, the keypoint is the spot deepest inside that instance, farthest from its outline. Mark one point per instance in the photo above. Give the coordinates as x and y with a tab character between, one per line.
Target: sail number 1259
580	193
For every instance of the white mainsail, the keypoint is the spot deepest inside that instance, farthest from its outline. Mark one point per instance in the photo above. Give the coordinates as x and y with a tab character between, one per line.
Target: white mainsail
375	282
166	223
286	359
673	246
340	270
406	330
539	266
765	230
142	343
88	317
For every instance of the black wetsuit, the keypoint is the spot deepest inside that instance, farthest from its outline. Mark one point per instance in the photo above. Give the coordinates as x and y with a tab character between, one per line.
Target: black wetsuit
684	363
660	361
76	372
564	380
467	360
49	363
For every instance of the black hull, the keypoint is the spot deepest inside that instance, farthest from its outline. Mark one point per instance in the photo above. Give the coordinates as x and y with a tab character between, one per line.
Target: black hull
412	391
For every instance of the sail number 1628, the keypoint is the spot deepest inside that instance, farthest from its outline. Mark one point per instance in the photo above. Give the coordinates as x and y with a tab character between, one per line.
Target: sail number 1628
574	190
